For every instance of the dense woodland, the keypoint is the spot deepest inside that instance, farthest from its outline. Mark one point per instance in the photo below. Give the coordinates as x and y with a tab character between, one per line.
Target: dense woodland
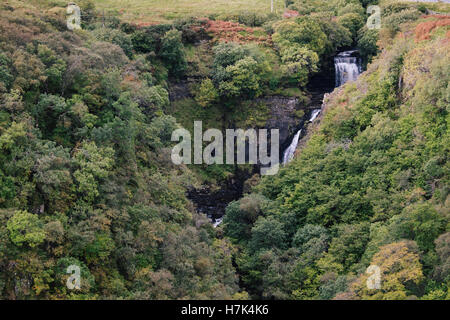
85	139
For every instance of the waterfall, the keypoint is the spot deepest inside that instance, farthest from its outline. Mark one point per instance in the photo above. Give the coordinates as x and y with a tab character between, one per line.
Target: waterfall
314	114
217	222
289	152
347	67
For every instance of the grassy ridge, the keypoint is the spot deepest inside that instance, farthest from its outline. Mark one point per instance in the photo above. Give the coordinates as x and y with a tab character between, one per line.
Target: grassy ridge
164	10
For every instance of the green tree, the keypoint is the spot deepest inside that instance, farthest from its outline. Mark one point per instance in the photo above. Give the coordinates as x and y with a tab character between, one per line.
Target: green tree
241	215
207	93
172	52
25	228
6	78
159	132
419	222
267	233
442	270
401	273
227	54
241	79
92	163
304	236
50	112
298	63
304	31
55	67
367	43
347	248
353	22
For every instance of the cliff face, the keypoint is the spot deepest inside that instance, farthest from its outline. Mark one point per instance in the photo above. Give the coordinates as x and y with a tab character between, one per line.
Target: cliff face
283	115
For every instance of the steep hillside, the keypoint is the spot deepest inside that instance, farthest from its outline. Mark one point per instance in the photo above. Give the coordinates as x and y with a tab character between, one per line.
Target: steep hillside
87	180
369	188
85	173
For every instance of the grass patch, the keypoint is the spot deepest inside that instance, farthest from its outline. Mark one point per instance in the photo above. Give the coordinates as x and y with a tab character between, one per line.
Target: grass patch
166	10
250	114
290	92
186	111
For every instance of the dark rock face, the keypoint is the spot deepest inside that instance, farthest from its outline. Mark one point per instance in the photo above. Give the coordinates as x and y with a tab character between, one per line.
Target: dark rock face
324	80
179	90
282	115
212	203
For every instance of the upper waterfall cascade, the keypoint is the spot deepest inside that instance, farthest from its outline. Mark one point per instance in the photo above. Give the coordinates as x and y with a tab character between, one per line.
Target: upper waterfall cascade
348	67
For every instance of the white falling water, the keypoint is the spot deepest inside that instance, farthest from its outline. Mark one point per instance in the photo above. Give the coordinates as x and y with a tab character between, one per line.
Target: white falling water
314	114
217	222
289	152
347	67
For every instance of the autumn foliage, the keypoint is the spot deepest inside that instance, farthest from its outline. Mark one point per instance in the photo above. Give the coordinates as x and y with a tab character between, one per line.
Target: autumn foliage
423	30
290	14
228	31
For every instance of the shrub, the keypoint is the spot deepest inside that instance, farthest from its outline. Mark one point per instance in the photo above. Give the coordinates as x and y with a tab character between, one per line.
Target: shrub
25	228
393	21
207	93
353	22
172	53
367	43
117	37
266	234
298	63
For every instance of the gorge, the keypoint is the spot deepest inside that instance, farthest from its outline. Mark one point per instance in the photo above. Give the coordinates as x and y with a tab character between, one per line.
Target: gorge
347	66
